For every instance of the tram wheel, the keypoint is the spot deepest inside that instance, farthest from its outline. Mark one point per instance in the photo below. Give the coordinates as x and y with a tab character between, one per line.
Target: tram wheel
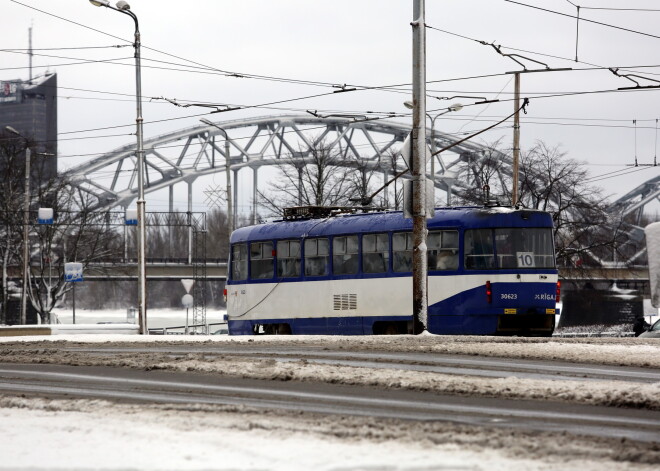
391	329
283	329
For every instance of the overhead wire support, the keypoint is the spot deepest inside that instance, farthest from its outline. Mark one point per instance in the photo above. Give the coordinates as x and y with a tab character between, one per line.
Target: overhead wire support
358	118
218	108
483	100
615	71
517	108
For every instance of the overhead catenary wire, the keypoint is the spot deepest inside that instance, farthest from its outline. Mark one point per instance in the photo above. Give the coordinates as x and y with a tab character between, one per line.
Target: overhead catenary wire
622	173
584	19
301	98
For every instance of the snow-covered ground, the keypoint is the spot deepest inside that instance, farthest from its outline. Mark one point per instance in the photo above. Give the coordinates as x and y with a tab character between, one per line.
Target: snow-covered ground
75	435
43	434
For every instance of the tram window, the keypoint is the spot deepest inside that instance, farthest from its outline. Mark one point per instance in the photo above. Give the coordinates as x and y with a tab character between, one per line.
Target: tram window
345	255
288	258
402	245
375	253
261	260
316	257
442	250
479	249
239	262
524	248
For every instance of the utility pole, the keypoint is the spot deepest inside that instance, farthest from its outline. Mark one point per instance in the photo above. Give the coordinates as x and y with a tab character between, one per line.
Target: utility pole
26	238
420	263
516	139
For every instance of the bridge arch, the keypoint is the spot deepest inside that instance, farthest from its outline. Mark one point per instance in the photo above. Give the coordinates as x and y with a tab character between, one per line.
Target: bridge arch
181	157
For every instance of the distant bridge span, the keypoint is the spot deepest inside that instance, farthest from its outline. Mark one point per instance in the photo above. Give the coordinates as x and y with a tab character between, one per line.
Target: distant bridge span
181	157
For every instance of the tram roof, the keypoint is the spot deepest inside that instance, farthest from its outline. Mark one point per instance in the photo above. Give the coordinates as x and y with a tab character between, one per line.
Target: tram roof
459	217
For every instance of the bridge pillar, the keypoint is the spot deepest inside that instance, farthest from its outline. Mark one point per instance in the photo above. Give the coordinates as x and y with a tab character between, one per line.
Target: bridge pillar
255	183
170	236
190	227
235	191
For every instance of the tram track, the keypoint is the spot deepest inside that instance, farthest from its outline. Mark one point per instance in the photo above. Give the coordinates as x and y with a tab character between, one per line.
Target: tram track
165	387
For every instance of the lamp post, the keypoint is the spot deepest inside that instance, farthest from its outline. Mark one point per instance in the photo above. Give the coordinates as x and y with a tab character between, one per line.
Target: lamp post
454	107
124	7
230	214
26	220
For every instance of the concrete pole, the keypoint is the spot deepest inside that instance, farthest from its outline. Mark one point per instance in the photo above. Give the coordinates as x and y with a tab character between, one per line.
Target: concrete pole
123	7
420	263
26	238
433	156
516	139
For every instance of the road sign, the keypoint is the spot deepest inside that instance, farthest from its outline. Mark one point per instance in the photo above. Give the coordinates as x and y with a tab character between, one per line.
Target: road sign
45	216
131	217
73	272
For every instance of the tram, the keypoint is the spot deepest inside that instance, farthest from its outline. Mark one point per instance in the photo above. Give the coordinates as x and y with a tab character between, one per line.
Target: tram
491	271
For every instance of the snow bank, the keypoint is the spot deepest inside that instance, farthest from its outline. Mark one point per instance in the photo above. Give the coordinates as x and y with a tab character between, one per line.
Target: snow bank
603	393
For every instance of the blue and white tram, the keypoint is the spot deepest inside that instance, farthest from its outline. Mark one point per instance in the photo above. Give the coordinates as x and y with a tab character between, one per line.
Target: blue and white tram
491	271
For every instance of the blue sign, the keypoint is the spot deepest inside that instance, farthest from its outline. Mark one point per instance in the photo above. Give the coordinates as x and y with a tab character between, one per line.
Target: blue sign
131	217
45	216
73	272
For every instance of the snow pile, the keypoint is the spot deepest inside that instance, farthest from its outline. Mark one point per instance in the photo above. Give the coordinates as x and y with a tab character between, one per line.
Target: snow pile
603	393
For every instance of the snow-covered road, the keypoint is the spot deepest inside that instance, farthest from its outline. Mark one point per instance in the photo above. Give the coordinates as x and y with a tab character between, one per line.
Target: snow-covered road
88	434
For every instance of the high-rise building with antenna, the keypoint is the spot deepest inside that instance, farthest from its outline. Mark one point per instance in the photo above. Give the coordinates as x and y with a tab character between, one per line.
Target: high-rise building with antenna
30	107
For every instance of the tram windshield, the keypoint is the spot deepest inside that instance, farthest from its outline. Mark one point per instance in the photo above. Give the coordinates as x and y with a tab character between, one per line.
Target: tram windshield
509	248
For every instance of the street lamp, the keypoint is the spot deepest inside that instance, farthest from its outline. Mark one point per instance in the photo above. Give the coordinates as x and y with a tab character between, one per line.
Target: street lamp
124	7
454	107
230	215
26	220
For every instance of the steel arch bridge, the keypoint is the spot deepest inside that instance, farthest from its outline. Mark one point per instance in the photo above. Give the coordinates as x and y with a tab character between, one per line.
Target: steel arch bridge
180	158
110	180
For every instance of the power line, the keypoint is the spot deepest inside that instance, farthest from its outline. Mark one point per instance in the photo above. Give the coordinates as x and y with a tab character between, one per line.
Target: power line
596	179
78	48
584	19
593	66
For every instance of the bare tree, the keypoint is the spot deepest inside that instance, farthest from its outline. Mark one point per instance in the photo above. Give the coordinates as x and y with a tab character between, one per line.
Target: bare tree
76	235
311	177
551	181
11	197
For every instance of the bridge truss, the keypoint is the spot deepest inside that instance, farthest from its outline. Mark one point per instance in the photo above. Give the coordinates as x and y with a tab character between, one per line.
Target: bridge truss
182	157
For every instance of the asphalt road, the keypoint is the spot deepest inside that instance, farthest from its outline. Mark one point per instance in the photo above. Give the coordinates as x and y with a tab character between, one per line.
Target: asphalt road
140	386
491	367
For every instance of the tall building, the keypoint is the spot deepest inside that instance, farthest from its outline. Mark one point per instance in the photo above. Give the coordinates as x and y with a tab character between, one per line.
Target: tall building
30	107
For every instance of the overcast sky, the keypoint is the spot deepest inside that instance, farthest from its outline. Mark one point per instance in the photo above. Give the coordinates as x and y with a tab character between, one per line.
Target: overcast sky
359	42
